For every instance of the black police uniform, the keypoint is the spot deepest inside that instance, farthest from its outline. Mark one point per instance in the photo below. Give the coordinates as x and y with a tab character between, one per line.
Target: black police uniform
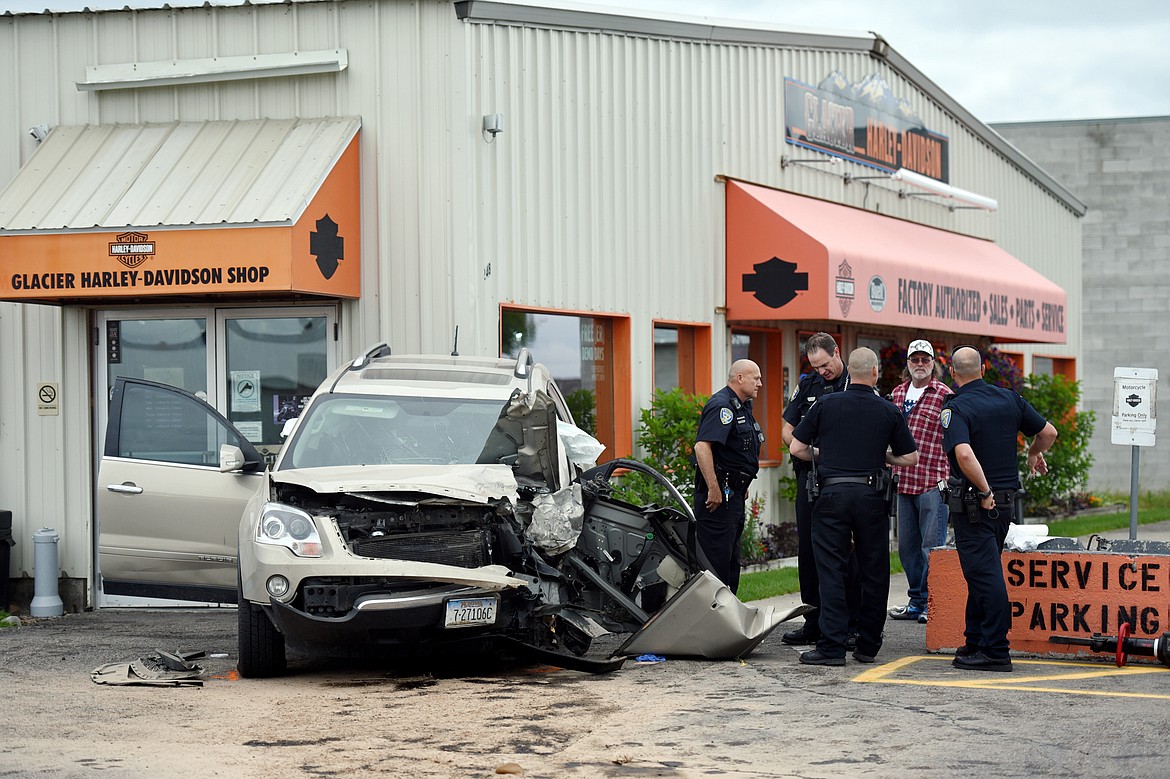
853	430
735	437
812	387
988	418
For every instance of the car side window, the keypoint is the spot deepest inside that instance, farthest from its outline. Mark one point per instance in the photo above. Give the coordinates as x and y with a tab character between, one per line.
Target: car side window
169	427
562	406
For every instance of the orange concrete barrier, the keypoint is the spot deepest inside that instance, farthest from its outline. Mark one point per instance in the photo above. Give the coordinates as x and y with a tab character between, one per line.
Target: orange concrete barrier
1057	594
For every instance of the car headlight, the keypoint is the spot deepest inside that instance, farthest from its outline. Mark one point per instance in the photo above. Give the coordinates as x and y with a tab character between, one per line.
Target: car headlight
291	528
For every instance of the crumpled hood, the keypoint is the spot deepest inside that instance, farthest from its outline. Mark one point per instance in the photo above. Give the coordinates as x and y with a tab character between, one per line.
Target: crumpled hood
474	483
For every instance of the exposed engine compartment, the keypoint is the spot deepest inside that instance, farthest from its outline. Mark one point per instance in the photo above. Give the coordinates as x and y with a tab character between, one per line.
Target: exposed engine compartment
607	581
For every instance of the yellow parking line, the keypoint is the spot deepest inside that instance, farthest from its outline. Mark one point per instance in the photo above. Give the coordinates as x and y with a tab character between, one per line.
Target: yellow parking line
884	674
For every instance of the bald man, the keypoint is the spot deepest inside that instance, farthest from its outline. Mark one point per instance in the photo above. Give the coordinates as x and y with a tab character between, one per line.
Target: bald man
727	453
980	422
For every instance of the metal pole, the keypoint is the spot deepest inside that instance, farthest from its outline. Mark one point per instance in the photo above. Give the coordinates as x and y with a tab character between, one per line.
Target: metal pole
1133	491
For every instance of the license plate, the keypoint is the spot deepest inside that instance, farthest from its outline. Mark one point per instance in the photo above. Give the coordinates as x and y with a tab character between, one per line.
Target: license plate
467	612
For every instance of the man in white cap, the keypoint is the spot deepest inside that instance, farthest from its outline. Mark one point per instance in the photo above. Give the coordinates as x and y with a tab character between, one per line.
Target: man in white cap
922	512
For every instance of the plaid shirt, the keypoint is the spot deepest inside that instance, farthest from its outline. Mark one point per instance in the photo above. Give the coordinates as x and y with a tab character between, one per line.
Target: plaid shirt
924	426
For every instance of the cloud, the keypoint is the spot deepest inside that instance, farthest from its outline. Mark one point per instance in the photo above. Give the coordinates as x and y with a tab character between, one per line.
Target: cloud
1003	60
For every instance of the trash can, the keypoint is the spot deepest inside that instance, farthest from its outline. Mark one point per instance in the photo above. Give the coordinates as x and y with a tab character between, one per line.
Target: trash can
6	544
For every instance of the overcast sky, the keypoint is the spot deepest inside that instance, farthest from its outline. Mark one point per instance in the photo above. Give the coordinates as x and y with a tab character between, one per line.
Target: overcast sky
1004	60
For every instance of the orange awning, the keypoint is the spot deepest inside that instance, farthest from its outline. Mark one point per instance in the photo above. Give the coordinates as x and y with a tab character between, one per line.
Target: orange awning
266	208
796	258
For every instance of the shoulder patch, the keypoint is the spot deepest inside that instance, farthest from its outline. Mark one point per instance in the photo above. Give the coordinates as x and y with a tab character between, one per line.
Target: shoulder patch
944	418
725	416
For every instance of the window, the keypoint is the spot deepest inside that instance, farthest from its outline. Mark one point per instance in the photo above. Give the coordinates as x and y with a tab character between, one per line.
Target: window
1055	366
367	429
588	356
272	365
763	348
169	427
681	356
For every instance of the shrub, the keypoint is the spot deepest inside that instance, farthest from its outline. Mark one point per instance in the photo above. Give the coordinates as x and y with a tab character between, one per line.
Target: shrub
781	540
893	364
666	436
1000	369
752	545
582	405
1069	460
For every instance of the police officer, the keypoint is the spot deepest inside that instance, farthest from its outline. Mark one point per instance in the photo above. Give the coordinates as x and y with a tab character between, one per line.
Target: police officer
828	375
980	423
727	452
858	434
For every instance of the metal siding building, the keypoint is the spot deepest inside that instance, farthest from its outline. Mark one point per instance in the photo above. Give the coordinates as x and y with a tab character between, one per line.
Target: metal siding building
603	196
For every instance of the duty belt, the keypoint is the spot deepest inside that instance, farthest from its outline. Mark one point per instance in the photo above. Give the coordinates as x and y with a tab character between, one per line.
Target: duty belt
1004	497
829	482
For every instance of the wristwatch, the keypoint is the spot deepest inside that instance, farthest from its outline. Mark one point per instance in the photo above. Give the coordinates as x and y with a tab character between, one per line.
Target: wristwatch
984	495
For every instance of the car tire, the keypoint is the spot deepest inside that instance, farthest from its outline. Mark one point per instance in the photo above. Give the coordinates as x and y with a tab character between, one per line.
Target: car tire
261	645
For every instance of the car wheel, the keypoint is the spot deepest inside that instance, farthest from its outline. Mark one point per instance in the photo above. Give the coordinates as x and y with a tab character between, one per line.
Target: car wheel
261	644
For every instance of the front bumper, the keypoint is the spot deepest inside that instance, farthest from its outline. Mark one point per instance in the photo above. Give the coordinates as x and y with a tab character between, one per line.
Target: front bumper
393	620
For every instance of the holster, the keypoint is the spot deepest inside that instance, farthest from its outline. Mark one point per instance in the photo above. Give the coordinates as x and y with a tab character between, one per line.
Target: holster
963	499
886	484
953	494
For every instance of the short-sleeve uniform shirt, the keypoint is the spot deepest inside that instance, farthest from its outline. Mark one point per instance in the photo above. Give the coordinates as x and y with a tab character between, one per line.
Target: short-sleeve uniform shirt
727	423
811	388
853	430
988	418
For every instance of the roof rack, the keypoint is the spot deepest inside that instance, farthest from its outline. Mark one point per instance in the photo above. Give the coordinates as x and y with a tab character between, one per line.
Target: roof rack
524	363
377	350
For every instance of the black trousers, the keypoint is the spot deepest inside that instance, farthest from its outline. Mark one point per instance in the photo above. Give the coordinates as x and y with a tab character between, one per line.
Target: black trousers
719	533
851	516
810	586
980	545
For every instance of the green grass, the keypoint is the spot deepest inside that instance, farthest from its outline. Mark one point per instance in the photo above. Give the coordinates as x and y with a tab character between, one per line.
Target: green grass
1152	507
765	584
781	581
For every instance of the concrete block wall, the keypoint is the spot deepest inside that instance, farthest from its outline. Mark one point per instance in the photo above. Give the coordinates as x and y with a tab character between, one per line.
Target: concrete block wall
1120	168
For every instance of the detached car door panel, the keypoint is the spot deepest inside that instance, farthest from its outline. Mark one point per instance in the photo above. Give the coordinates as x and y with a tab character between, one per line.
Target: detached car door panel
168	517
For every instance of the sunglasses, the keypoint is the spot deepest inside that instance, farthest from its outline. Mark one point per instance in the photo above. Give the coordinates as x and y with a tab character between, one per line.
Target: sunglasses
920	360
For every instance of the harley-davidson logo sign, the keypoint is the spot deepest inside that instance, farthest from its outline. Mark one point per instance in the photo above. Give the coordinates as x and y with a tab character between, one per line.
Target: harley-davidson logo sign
844	287
132	249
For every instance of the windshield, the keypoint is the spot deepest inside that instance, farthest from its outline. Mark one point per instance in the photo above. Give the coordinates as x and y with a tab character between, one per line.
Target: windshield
365	430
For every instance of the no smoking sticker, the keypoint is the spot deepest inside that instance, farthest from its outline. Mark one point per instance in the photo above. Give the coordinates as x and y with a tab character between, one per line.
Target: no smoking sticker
47	399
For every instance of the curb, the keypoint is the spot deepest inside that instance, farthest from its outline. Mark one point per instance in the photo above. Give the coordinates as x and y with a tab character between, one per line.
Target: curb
770	565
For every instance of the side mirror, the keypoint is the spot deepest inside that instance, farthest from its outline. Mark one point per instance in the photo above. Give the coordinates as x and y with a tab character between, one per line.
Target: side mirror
231	458
289	424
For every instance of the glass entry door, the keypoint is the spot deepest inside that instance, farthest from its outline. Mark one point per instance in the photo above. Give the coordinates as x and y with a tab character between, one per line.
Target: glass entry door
269	366
256	366
167	350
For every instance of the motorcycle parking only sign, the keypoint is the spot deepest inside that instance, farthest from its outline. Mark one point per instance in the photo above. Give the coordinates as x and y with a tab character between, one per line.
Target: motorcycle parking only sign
1134	406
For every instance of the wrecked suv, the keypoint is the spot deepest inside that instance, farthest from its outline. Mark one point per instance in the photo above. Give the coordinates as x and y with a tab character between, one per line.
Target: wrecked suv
419	503
424	502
